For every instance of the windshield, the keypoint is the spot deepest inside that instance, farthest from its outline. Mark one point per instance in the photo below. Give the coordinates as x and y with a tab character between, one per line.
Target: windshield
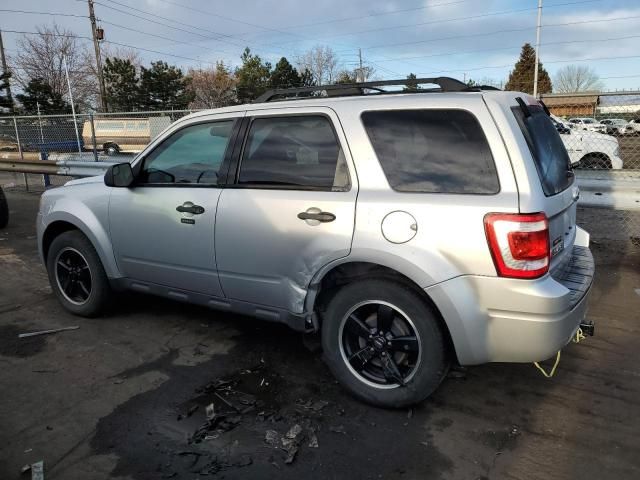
588	120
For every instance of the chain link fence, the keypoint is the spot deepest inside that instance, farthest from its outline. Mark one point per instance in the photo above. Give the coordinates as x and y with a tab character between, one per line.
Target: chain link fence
601	132
88	137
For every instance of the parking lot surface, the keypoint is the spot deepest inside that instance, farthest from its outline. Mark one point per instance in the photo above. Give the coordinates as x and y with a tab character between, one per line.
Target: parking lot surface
125	396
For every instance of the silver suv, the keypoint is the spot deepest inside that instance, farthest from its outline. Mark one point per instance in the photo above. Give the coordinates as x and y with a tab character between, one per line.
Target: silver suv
412	230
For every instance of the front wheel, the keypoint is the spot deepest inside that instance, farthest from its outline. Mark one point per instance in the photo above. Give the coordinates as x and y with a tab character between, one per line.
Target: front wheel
384	343
76	275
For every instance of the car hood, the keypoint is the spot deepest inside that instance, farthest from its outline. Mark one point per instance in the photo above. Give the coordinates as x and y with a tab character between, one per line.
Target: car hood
82	181
595	136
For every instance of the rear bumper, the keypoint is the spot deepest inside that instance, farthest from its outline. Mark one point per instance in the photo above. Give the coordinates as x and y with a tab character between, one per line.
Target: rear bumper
495	319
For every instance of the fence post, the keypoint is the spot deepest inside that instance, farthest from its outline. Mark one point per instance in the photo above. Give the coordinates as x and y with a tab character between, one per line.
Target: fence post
93	138
24	175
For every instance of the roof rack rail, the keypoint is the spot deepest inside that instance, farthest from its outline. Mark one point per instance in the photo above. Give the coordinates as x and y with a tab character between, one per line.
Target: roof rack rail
446	84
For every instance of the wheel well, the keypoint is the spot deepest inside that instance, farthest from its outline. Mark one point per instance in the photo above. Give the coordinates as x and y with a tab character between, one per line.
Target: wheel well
53	231
355	271
595	160
110	144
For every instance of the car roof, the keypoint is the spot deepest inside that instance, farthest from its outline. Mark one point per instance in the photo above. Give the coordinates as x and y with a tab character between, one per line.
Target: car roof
401	100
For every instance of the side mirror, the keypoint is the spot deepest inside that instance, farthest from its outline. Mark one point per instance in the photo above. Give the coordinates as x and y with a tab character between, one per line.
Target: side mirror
119	175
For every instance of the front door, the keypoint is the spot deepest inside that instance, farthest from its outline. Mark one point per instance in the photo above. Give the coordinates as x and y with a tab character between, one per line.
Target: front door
290	210
163	227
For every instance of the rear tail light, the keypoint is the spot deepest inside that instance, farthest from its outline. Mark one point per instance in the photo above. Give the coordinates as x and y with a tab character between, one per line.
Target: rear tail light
519	244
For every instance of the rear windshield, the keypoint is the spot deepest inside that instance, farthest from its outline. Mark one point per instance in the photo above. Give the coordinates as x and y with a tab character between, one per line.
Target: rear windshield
432	151
548	151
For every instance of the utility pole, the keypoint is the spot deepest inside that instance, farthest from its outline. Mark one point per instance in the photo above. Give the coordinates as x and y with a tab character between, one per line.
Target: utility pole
360	77
535	71
5	70
96	45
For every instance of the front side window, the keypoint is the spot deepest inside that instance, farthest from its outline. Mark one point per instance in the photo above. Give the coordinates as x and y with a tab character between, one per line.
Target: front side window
432	151
193	154
296	152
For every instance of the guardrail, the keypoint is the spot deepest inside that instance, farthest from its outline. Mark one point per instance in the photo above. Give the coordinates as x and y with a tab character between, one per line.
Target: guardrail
618	189
31	163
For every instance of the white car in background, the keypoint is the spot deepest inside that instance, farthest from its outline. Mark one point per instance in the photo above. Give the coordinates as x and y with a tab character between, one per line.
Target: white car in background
587	123
617	126
635	125
589	149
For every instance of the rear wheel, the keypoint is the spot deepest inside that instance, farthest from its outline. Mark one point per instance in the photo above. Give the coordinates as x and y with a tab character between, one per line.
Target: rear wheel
4	210
111	149
76	274
384	343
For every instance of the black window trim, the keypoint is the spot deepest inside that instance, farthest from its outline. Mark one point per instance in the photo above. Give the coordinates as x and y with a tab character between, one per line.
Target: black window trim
497	192
224	166
241	143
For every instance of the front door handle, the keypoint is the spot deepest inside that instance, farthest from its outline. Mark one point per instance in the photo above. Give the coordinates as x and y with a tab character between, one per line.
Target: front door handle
189	207
323	217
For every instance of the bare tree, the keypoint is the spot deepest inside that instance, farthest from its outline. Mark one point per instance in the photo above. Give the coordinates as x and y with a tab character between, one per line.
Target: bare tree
41	56
576	78
212	88
322	62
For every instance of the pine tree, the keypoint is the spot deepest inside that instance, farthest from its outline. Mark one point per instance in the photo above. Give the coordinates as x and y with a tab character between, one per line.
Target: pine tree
121	85
253	77
6	102
284	75
39	92
521	77
412	85
163	87
306	78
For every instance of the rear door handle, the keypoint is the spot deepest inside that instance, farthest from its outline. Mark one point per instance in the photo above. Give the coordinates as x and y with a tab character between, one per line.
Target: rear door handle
323	217
188	207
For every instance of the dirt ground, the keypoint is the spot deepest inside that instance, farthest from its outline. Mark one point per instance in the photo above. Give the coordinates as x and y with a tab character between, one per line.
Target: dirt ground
125	396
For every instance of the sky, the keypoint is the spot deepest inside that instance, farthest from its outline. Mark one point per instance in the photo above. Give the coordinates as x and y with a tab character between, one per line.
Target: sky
478	39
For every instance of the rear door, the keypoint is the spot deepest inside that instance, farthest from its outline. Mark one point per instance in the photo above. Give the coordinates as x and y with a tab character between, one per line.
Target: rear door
555	176
289	209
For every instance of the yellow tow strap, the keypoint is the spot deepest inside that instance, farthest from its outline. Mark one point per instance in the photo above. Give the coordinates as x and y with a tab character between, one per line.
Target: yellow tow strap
577	339
553	369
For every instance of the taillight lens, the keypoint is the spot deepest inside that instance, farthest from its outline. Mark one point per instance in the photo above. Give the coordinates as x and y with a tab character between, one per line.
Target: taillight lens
519	244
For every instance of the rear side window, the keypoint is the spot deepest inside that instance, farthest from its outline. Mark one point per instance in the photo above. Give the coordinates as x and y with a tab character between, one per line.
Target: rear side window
432	151
297	152
548	151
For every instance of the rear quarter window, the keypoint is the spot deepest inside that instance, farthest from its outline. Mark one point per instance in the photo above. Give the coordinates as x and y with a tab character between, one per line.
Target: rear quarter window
547	149
432	151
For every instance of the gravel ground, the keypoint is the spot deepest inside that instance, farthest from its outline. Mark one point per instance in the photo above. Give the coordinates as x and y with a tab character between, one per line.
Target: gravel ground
126	396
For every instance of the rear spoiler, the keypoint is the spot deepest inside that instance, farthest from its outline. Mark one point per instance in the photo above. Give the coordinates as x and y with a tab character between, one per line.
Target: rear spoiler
525	108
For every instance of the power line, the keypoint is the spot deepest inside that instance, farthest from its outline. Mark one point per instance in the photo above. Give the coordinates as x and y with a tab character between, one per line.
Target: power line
160	36
446	54
110	42
459	19
33	12
392	12
219	35
495	32
545	63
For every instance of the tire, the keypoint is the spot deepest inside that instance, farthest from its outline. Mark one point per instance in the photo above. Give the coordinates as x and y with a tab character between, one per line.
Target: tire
4	210
595	161
416	375
66	253
111	149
